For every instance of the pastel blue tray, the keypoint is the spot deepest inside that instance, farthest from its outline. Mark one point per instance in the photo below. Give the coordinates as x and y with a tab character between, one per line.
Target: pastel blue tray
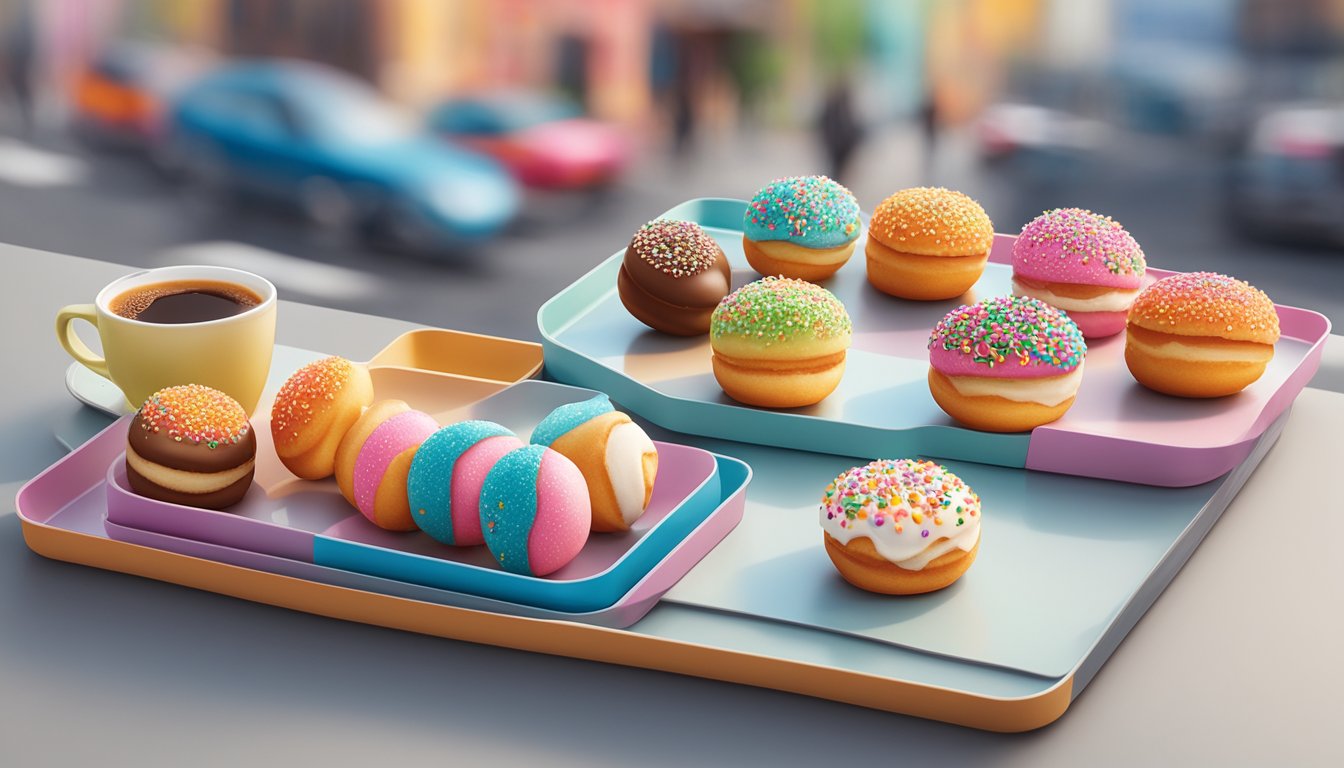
1115	430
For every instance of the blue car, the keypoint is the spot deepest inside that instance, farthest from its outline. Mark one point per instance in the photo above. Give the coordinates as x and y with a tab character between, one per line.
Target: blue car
307	135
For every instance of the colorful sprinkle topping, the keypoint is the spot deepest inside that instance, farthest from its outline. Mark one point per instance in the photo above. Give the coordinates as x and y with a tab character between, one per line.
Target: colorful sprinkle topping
780	309
1083	235
1011	330
912	497
676	248
813	211
1207	303
932	221
307	391
195	414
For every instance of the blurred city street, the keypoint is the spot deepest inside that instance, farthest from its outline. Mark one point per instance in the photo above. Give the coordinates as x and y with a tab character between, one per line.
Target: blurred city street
1210	130
59	196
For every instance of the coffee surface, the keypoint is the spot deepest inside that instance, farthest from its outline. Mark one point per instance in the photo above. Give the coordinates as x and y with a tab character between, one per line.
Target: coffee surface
184	301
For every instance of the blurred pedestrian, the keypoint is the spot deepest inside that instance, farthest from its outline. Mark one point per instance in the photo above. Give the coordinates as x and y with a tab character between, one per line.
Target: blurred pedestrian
929	127
839	127
19	51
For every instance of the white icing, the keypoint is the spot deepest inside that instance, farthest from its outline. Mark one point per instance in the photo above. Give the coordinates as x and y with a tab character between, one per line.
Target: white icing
1117	300
1176	350
1049	390
899	538
965	541
626	446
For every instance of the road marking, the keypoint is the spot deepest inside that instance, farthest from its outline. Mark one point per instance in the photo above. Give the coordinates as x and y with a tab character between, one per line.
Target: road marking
24	165
289	273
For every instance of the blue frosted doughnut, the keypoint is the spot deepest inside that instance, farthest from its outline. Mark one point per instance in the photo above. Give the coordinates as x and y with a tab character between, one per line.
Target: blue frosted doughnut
810	211
569	416
429	484
534	510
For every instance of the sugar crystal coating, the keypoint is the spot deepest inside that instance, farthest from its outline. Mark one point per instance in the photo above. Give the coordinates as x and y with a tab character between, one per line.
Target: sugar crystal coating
812	211
195	414
780	309
1054	243
1207	304
933	221
307	392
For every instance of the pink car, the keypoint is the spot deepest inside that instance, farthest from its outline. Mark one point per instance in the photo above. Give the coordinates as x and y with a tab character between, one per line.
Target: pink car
544	141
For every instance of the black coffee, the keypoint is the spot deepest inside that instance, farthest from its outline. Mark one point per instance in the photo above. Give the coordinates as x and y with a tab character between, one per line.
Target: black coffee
184	301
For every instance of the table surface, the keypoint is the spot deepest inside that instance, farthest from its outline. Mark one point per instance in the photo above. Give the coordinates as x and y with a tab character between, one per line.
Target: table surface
1236	663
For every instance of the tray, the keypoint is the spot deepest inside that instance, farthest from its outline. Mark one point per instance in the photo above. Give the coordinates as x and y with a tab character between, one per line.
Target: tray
309	521
684	634
631	607
1116	429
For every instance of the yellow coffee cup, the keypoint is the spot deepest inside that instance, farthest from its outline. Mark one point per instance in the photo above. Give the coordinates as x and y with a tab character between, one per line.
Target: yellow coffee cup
231	354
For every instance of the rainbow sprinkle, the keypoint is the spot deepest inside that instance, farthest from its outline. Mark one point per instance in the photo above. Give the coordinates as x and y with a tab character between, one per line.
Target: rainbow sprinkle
1085	235
780	309
305	393
1011	328
904	493
195	414
814	211
676	248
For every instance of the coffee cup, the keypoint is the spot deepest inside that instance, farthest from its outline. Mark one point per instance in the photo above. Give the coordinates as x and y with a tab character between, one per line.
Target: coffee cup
179	325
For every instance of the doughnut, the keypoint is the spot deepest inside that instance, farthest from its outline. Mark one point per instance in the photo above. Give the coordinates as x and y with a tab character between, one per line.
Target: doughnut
1200	334
191	445
672	276
312	412
1006	364
803	227
900	527
534	511
443	485
927	244
374	457
779	343
618	460
1083	263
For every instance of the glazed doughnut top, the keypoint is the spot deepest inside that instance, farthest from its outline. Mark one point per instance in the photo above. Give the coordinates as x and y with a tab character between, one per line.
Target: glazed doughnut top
1207	304
932	221
780	310
902	506
193	428
1071	245
675	248
811	211
1006	337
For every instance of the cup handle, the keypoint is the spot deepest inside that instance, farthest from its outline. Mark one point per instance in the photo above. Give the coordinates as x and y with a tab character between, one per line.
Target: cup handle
75	346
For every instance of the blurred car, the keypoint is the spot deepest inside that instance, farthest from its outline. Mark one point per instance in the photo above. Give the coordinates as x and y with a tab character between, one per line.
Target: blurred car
544	141
309	135
1007	128
1287	179
121	97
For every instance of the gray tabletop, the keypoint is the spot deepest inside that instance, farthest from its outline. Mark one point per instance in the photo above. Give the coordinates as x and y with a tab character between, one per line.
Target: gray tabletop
1237	663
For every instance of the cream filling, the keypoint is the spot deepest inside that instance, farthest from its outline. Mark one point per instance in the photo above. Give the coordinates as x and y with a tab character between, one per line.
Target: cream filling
1175	350
627	445
1117	300
1048	391
183	481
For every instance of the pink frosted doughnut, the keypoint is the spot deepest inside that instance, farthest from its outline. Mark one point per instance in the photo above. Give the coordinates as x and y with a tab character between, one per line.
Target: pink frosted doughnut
1083	263
398	434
